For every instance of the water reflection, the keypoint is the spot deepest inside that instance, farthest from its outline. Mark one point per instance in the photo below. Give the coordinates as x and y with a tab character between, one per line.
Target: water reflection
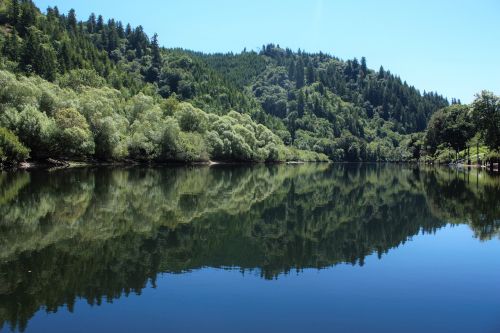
102	233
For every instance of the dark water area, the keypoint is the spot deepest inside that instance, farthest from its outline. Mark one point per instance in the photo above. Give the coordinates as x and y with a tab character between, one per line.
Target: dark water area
288	248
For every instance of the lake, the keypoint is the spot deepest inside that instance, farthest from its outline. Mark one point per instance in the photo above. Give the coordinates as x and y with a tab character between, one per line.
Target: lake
263	248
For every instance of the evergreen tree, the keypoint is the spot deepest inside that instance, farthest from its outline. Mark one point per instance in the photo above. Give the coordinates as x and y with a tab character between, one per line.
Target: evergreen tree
380	73
155	52
364	69
310	73
120	30
47	67
299	74
27	17
128	30
30	50
56	12
99	24
11	47
153	72
291	70
301	104
72	20
13	13
91	24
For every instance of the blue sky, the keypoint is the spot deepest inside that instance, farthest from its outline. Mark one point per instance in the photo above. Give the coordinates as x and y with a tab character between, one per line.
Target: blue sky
449	46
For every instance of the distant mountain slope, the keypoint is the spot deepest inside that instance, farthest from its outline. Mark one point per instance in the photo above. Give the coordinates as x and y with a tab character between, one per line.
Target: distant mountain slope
312	101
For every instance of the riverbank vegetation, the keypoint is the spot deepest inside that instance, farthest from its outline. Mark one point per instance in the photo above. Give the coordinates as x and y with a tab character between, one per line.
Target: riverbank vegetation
101	123
99	89
465	133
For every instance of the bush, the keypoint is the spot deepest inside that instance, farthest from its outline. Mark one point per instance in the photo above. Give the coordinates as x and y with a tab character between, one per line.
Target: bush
191	119
78	78
74	138
11	149
154	136
191	147
36	130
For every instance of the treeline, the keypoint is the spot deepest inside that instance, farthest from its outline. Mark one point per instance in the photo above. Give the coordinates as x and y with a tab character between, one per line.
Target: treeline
466	133
312	102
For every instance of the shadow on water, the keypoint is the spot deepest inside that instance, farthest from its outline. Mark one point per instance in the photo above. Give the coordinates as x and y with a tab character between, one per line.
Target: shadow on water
99	234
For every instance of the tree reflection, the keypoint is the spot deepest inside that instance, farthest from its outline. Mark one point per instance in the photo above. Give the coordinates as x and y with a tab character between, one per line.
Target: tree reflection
102	233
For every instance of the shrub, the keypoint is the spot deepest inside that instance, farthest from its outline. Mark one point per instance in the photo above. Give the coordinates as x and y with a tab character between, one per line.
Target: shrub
11	149
191	119
78	78
191	147
74	138
36	130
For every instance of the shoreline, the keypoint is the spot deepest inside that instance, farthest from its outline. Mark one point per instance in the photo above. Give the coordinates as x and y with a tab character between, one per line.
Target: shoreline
53	164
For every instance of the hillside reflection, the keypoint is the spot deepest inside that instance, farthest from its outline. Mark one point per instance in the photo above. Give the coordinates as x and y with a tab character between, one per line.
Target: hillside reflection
98	234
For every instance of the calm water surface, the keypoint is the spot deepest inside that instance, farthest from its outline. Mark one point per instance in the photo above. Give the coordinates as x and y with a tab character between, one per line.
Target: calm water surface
298	248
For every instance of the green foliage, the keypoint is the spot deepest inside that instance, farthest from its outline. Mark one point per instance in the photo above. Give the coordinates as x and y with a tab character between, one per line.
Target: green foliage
191	147
486	111
310	101
36	130
464	129
73	137
102	123
451	126
78	78
148	133
191	119
11	149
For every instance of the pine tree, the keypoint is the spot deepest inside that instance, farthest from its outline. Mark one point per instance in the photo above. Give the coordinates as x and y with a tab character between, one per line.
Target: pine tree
27	17
291	70
72	20
29	52
11	46
128	30
381	74
13	14
56	12
364	69
91	24
155	51
65	57
112	36
299	73
310	73
47	67
120	30
100	24
301	104
153	73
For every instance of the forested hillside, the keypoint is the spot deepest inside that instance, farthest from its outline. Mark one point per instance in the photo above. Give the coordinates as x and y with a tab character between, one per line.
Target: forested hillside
141	91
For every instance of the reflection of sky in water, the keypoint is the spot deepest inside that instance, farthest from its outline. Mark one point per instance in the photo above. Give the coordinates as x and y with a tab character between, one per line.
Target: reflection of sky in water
446	282
86	234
